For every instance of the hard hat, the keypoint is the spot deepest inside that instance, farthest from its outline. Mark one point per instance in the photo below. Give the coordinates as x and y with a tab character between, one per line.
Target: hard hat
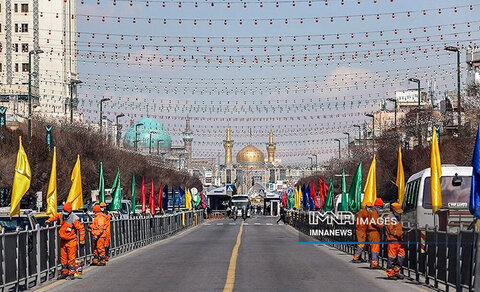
369	204
67	207
103	205
397	208
378	202
97	208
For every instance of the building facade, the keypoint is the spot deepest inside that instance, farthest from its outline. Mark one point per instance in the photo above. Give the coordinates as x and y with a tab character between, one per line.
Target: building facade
44	33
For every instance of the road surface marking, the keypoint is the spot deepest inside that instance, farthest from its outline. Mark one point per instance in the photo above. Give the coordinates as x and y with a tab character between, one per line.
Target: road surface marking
219	223
245	223
232	223
230	282
257	223
269	224
208	224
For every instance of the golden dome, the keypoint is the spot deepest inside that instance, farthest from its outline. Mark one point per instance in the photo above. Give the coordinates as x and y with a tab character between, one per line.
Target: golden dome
250	154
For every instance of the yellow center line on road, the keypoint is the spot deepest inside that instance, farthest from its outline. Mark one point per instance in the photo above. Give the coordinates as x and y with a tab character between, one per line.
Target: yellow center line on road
230	282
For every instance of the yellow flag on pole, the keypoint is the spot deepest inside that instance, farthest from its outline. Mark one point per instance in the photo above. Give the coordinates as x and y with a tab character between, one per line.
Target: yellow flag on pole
370	189
400	177
21	179
52	187
75	195
188	200
436	173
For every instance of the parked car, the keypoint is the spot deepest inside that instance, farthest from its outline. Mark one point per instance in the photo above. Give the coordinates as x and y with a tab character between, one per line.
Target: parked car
24	221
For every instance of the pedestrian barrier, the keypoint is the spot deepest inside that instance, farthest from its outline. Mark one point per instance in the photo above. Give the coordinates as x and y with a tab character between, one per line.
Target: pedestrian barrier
31	257
442	258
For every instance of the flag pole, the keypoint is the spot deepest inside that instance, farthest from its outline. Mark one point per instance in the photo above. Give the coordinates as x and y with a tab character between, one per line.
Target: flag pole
477	257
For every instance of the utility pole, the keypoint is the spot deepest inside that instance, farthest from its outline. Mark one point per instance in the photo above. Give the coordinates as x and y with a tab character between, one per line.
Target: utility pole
459	117
359	133
136	136
348	143
339	154
73	84
119	134
419	132
373	130
32	52
101	112
395	102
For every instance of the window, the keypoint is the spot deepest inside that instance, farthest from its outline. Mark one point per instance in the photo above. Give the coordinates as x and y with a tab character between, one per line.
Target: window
272	176
0	27
1	67
229	176
25	67
15	7
25	48
411	195
25	8
15	48
453	195
24	27
16	27
16	67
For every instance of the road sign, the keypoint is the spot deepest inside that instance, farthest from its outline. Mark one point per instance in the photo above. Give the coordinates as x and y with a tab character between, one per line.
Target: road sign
230	188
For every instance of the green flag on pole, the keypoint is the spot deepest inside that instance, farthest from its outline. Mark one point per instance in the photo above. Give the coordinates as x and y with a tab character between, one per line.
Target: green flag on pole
330	197
290	199
344	204
134	199
355	193
101	186
116	193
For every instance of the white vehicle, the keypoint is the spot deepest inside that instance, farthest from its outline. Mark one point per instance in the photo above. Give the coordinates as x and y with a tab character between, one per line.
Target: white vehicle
455	184
338	202
240	201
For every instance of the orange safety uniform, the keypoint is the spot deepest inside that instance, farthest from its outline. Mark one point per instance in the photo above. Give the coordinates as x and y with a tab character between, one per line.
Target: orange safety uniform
69	226
361	229
374	228
107	236
99	234
396	252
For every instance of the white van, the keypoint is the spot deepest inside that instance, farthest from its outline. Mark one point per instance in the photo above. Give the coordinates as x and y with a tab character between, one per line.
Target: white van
338	202
455	184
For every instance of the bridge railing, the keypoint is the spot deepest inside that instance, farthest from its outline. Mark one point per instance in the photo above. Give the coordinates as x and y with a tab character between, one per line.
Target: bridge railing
31	257
436	258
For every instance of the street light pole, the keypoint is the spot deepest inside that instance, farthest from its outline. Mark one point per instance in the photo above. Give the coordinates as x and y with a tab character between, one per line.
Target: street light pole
136	136
316	161
419	132
119	135
311	162
359	133
395	102
373	130
459	117
339	155
348	143
72	83
32	52
101	112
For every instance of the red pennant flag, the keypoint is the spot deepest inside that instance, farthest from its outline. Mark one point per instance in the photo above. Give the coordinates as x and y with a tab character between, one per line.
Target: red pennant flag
151	199
143	198
313	195
160	198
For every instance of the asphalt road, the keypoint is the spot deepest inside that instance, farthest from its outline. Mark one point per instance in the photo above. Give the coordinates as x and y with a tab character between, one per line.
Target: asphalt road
269	259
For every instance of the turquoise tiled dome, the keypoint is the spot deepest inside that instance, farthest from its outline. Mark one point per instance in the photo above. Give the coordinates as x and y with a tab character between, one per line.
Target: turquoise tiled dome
159	133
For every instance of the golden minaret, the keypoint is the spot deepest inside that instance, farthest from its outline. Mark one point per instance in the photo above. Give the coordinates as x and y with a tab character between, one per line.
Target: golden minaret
228	145
271	148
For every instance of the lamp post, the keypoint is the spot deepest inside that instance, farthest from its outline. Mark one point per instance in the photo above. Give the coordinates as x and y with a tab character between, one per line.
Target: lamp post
348	143
118	128
158	146
316	161
419	133
32	52
311	162
101	112
73	83
339	156
459	117
373	130
359	133
136	135
395	101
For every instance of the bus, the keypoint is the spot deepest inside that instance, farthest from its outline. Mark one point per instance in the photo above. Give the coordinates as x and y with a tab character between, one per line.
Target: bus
240	201
455	185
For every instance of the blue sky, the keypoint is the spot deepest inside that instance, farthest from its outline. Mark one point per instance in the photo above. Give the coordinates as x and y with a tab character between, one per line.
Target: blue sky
331	95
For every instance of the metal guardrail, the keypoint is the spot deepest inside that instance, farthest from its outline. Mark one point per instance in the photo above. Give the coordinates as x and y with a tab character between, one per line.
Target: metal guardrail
447	259
31	257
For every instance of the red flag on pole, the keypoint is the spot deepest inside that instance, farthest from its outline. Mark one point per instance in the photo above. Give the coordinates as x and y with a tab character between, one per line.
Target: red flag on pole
313	195
160	198
151	199
143	198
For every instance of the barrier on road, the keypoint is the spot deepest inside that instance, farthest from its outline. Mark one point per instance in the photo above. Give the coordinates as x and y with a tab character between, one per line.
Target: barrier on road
31	257
443	258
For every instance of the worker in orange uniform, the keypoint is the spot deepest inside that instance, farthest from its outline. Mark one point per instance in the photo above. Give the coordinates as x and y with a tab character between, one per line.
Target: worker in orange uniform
361	229
99	233
374	229
394	233
69	226
103	206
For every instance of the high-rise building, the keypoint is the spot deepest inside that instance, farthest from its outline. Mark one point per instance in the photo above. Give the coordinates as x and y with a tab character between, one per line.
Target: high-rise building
45	33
